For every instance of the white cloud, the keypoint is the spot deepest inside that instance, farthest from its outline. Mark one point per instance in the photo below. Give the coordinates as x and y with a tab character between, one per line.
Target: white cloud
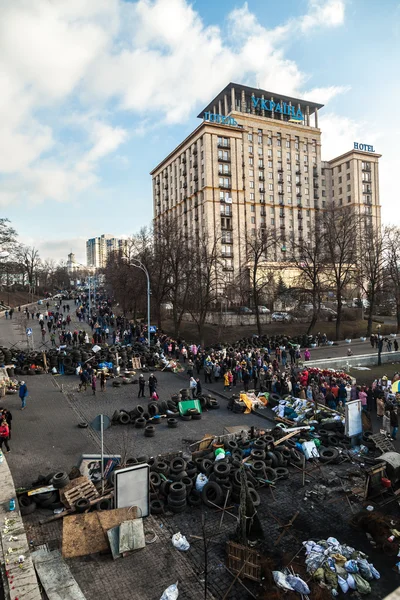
325	95
71	70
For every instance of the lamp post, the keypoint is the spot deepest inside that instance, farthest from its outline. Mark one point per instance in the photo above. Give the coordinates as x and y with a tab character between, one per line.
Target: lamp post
139	265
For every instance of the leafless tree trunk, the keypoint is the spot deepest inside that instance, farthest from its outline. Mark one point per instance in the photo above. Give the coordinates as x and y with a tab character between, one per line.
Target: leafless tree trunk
392	264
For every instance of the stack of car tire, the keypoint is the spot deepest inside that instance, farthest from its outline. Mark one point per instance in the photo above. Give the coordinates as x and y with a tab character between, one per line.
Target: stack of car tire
49	500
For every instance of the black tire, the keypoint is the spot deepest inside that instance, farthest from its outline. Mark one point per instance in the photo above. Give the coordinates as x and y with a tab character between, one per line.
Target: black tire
155	480
115	416
214	404
272	457
26	505
270	474
259	444
149	431
138	410
176	501
156	507
103	504
140	423
333	440
164	488
281	461
81	505
60	480
254	496
206	466
177	489
194	498
196	417
186	417
285	452
173	423
188	483
222	469
39	498
124	418
328	454
211	494
296	458
53	498
231	445
258	454
152	409
178	464
258	468
282	472
162	467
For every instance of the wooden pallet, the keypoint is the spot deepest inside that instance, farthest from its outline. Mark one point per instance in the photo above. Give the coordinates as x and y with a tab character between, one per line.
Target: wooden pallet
382	442
243	560
84	489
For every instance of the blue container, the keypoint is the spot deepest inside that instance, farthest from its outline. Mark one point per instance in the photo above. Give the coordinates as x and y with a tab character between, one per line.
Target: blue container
12	504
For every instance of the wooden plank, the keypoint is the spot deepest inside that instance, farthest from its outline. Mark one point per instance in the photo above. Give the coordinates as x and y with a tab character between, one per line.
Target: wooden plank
56	578
286	437
83	535
111	518
113	540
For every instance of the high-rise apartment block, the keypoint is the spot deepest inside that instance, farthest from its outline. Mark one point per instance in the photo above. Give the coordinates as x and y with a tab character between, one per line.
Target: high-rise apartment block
255	162
98	249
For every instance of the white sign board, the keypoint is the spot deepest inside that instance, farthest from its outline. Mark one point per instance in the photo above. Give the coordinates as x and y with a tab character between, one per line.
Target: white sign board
353	423
131	488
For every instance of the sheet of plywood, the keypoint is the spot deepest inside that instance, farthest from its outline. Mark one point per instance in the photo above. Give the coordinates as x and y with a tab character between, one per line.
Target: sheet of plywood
111	518
55	577
82	535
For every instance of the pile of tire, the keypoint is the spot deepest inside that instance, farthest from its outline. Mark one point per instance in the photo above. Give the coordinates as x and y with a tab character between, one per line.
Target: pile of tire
140	415
48	500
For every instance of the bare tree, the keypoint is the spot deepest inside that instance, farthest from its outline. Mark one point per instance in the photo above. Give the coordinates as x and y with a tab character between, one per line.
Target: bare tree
392	252
8	236
206	281
30	262
308	258
260	250
371	266
340	231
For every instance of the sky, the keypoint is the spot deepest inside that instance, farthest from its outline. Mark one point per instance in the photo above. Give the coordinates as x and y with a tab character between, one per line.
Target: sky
94	93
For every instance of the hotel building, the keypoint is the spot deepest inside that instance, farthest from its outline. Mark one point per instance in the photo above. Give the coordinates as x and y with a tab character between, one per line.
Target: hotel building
98	249
255	162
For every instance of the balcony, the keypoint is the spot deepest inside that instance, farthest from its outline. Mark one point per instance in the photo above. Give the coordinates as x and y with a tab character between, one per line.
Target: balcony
226	240
225	186
367	191
316	206
223	145
366	168
227	268
300	217
261	178
226	254
261	189
316	196
298	183
316	185
226	227
183	160
280	170
261	168
195	164
224	160
225	211
195	150
298	195
224	174
298	172
281	180
184	185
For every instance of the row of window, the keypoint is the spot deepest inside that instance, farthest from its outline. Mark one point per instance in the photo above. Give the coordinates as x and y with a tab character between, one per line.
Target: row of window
223	141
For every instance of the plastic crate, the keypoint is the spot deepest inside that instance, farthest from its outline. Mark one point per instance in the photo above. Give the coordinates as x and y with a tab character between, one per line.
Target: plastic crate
185	405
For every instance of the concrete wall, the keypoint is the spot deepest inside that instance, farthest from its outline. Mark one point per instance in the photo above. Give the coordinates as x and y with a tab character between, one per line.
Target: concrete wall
230	319
361	360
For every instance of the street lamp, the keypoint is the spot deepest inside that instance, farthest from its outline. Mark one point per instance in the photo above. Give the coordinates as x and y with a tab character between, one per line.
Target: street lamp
139	265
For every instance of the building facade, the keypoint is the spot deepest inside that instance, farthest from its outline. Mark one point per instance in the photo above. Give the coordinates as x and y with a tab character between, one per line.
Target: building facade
99	249
255	162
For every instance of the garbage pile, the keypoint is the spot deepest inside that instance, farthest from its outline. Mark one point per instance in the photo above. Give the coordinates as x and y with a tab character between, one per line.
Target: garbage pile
383	531
304	411
339	567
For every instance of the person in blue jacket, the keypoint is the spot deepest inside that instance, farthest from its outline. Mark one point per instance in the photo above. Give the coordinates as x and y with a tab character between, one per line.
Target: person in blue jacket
23	394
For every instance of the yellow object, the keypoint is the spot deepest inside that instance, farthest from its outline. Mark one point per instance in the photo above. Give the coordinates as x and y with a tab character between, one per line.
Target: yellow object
248	403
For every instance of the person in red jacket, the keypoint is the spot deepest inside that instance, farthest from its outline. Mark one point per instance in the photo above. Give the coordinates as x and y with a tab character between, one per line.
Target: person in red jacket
4	434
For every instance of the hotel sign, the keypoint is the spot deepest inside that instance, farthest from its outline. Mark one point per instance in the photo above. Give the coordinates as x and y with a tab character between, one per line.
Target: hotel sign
278	107
221	119
363	147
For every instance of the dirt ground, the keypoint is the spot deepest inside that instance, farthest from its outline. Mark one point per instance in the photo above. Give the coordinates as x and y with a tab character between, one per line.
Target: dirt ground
15	299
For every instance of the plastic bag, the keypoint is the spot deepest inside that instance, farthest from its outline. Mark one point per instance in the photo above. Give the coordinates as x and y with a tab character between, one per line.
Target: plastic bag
281	580
201	481
171	593
351	582
180	542
374	571
344	586
298	584
363	586
364	568
351	566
